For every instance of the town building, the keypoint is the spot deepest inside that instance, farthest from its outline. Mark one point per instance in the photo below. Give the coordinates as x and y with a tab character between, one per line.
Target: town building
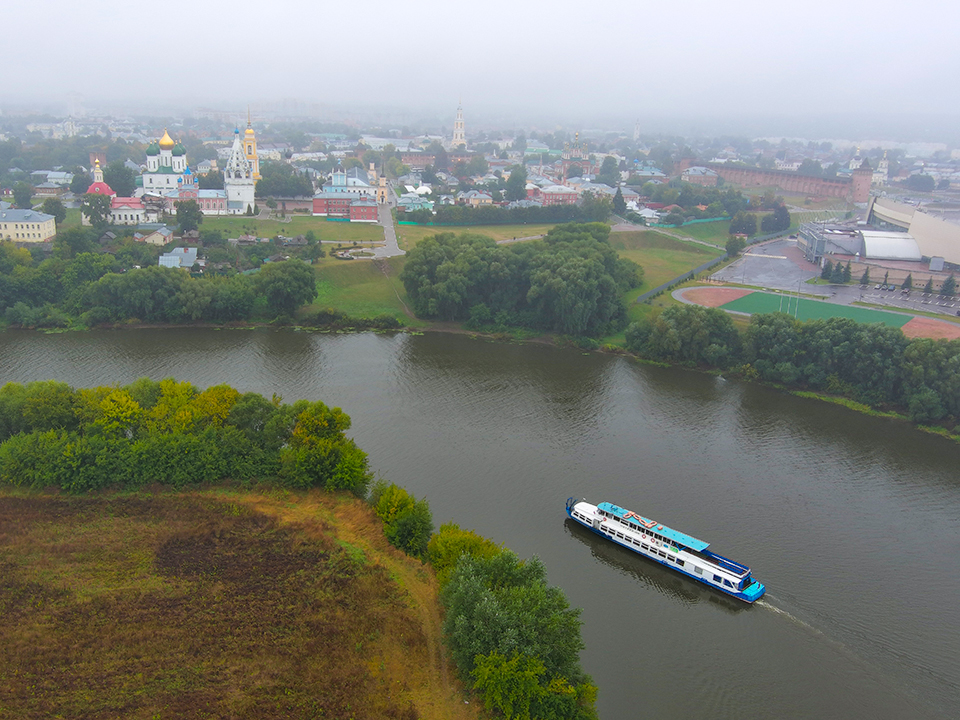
698	175
558	195
181	257
474	198
576	156
27	226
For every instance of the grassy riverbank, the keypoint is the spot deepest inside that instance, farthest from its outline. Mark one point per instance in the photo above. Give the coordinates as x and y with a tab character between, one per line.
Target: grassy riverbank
214	603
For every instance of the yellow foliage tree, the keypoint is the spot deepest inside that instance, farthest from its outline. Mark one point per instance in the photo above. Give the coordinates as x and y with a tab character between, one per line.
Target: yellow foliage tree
119	412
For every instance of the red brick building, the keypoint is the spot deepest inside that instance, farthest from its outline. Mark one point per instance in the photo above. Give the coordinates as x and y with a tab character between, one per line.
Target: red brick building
345	207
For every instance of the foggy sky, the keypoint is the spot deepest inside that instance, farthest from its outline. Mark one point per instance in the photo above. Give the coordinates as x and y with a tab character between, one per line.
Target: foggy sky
512	60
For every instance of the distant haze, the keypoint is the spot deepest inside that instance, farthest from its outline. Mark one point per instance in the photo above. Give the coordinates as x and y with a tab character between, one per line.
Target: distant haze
762	67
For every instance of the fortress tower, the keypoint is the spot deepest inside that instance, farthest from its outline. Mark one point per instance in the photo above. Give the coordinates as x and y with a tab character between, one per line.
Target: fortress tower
860	187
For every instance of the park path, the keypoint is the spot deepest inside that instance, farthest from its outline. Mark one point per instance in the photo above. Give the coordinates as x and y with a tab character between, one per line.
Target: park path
390	248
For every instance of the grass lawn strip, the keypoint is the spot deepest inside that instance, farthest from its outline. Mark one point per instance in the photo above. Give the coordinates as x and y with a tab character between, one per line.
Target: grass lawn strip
758	302
409	235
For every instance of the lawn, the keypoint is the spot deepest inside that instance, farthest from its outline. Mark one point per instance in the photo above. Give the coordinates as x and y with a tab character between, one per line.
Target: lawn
662	258
758	302
360	288
326	230
73	218
715	232
409	235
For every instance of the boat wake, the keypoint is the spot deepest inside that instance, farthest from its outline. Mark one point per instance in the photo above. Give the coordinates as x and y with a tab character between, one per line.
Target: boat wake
765	602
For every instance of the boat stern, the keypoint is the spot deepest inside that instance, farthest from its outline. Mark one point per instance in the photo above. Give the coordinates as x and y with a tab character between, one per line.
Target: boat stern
754	592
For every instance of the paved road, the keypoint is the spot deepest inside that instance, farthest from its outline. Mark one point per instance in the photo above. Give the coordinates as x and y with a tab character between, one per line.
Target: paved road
390	247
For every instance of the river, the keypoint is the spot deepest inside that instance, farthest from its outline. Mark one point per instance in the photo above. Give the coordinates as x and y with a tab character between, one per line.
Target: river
852	522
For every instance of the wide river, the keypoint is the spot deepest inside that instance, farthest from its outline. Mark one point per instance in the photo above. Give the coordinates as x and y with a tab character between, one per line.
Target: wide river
852	522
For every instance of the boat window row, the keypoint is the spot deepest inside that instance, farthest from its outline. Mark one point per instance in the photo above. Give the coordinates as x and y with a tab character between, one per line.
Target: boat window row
632	526
648	548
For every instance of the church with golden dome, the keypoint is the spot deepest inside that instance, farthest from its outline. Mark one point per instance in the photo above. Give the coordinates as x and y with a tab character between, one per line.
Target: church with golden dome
166	165
168	179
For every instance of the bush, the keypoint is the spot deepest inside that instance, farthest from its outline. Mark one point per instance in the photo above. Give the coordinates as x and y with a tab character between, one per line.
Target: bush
407	521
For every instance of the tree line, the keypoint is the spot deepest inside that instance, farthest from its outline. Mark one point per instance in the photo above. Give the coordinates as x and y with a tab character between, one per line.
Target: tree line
171	433
514	639
88	290
570	282
872	364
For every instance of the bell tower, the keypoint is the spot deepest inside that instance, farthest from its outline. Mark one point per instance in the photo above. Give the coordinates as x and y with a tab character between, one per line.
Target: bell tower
459	135
250	148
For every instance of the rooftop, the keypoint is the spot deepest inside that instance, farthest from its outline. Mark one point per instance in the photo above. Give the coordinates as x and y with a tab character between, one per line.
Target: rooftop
669	533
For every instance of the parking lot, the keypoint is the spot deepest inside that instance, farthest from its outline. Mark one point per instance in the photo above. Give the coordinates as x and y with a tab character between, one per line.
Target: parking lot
914	300
780	265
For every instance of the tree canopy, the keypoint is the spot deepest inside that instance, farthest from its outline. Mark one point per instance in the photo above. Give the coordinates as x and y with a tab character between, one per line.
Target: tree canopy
120	178
569	282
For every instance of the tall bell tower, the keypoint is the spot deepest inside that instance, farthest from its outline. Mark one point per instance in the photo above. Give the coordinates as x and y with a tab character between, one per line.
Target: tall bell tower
459	135
250	148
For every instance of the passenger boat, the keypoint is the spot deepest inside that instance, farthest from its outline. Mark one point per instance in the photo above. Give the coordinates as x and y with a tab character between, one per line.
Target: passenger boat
666	546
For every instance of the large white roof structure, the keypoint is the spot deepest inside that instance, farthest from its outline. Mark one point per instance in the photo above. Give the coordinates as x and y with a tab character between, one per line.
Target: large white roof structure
884	245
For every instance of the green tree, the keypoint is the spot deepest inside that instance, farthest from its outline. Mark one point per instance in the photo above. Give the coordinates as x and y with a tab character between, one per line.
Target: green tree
810	167
743	224
836	276
189	215
212	180
96	208
619	204
53	206
777	221
23	195
516	186
286	285
928	288
949	287
865	278
121	178
609	173
920	182
907	284
81	182
734	245
828	269
847	272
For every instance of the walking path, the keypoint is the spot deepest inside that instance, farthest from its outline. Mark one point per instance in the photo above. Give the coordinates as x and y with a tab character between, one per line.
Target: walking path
390	248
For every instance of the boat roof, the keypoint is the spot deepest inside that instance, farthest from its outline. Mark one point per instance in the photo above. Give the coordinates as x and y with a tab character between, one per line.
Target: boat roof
669	533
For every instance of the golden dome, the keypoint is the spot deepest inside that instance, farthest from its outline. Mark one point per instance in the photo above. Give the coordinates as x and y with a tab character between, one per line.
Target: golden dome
248	131
166	142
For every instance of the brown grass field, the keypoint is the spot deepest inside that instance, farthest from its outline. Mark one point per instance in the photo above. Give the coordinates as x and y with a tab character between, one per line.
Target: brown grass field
924	327
214	604
714	296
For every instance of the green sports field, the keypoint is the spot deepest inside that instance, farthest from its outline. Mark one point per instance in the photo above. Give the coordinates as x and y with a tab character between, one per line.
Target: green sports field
758	302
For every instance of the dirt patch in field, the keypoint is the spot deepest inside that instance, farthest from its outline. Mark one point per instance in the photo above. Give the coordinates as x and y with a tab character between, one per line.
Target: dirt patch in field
923	327
714	296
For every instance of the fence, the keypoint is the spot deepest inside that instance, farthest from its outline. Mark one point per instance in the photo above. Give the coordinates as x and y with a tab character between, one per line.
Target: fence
706	266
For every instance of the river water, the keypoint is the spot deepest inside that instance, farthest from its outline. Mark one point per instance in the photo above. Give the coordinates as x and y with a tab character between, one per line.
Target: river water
852	522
